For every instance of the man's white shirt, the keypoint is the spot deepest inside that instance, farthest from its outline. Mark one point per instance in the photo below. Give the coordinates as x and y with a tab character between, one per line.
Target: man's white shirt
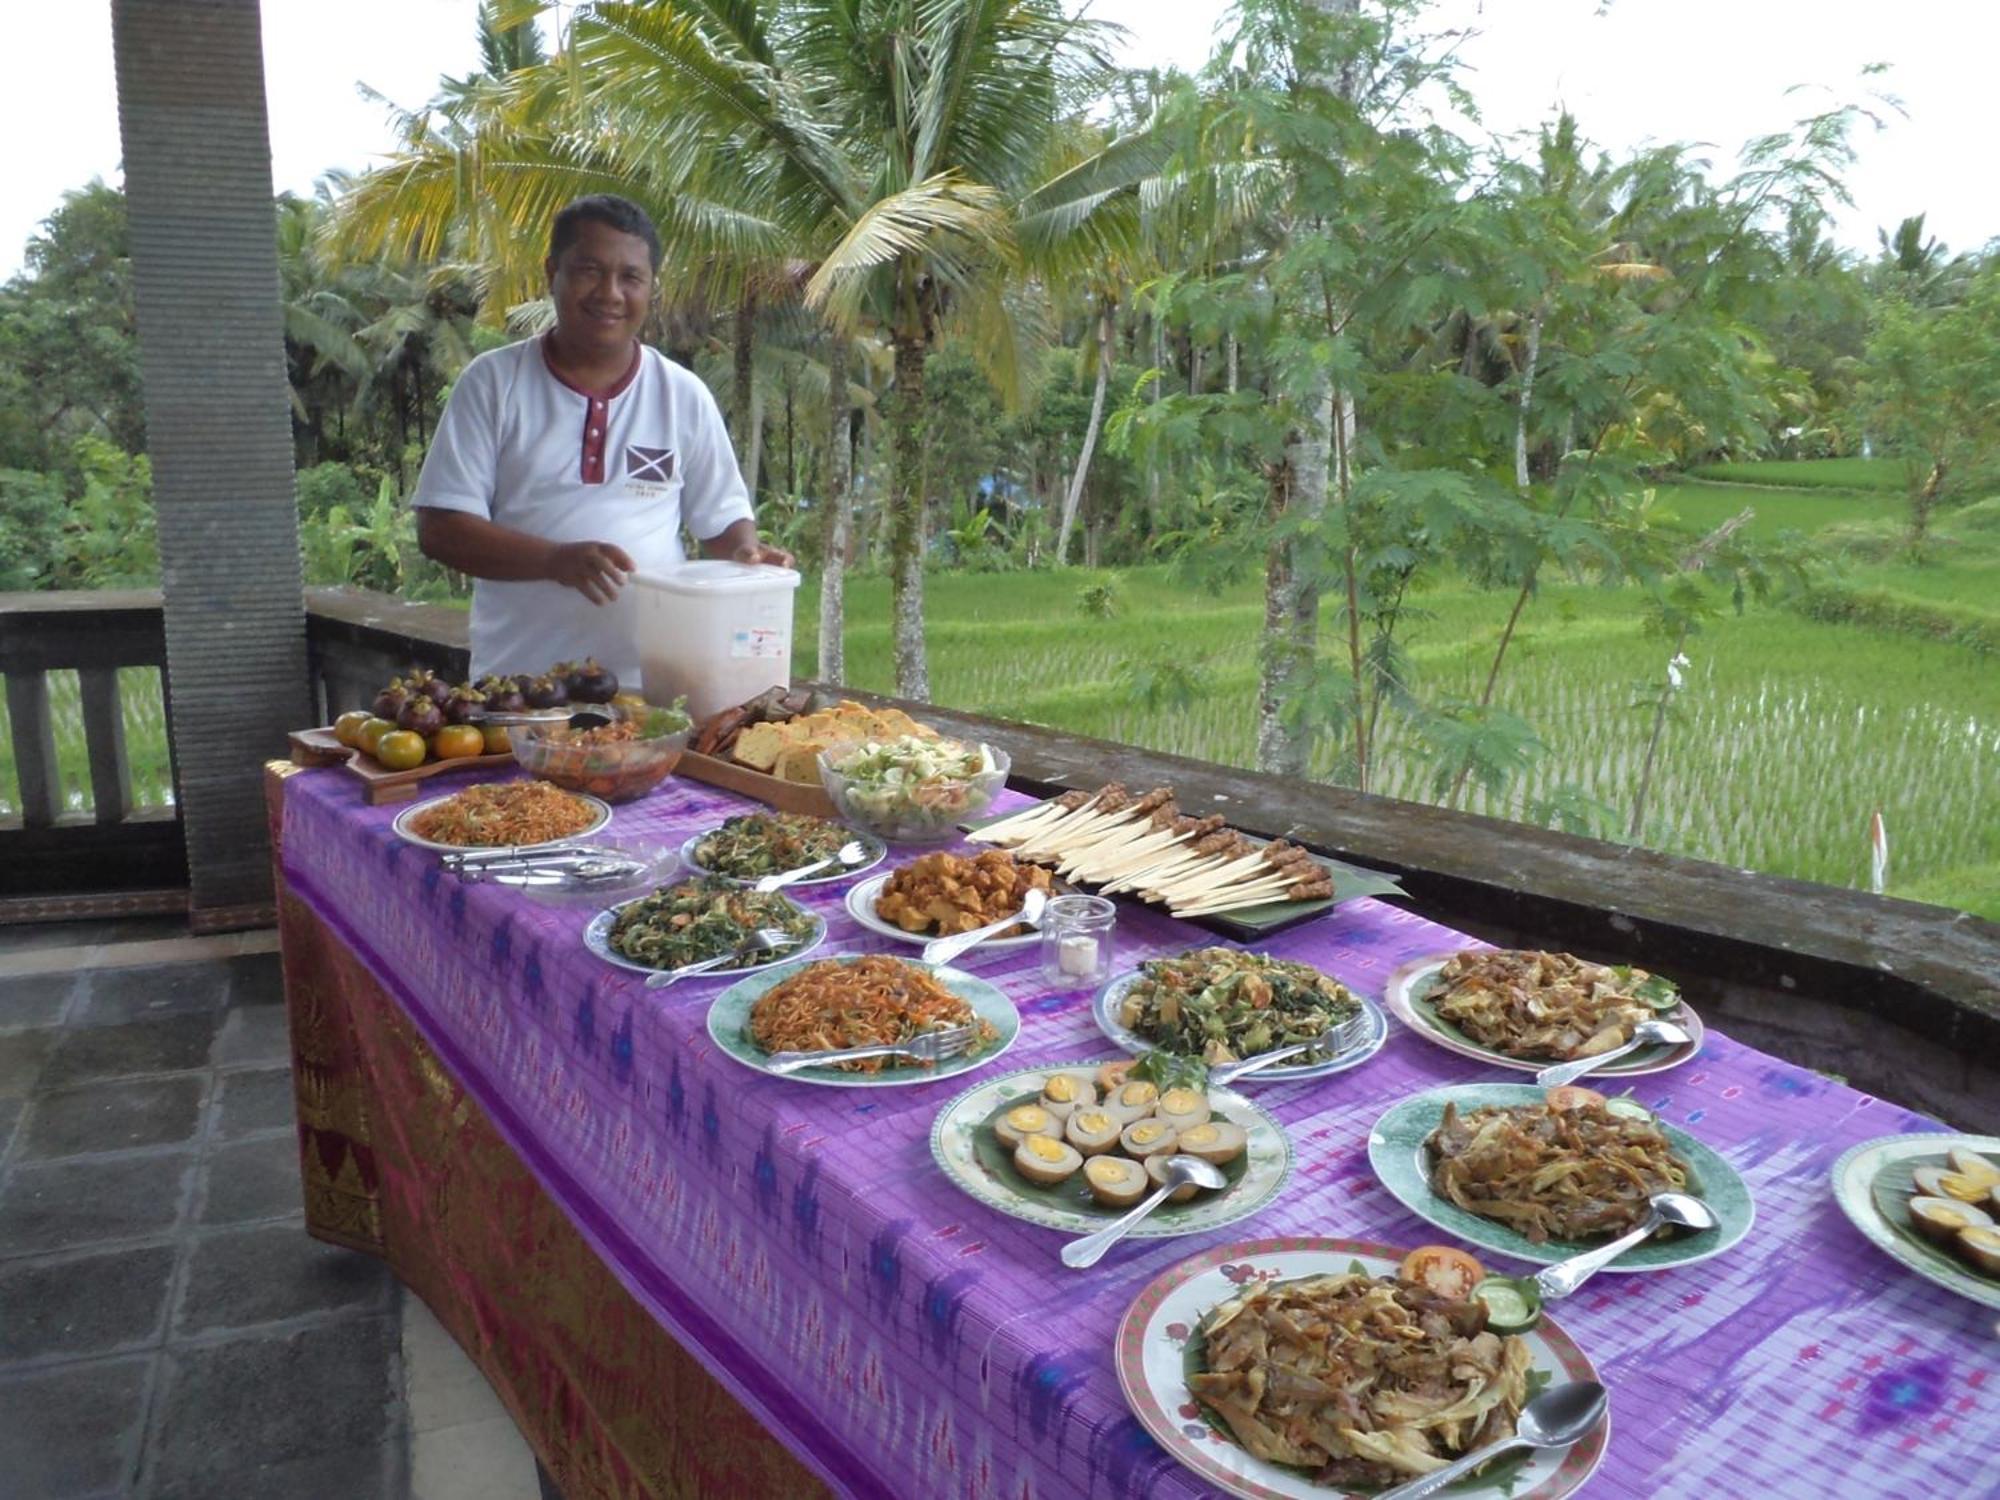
519	446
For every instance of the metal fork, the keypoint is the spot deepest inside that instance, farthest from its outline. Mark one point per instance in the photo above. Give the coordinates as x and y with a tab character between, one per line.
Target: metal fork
930	1047
1341	1038
850	853
764	940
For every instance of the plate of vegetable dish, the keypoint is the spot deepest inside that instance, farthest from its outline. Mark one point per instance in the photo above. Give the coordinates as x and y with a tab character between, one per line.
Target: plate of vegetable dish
1526	1010
937	895
1541	1175
1408	1365
753	845
699	919
1219	1005
862	1001
1933	1203
501	815
1069	1147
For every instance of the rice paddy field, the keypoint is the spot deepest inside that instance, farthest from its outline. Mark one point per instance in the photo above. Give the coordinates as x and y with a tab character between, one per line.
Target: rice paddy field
1792	730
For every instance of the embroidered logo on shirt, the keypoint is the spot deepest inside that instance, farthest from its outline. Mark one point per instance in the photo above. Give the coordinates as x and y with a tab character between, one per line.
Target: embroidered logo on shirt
649	465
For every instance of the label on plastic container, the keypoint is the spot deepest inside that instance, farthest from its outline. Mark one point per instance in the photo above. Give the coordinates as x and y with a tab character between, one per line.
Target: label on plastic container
758	643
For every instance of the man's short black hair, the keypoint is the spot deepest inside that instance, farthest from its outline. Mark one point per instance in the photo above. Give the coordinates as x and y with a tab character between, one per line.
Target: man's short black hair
602	208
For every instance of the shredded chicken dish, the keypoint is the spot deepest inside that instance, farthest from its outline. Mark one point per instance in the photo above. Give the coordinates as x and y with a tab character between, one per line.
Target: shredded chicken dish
1541	1005
1365	1380
1551	1172
948	893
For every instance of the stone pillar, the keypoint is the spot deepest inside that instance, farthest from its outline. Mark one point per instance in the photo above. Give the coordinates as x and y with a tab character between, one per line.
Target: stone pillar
211	337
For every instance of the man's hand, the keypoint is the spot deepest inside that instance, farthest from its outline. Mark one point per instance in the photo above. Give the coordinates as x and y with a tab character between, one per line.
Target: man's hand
760	551
596	570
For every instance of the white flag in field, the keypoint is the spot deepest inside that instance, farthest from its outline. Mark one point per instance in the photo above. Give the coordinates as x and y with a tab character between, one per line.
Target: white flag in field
1878	853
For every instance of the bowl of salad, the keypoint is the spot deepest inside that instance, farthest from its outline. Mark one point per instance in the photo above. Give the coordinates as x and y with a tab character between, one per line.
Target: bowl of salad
912	790
616	761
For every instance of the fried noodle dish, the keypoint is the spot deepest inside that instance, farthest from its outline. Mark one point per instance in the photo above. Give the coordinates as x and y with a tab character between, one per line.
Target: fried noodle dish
1541	1005
1552	1172
946	893
503	814
862	1002
1364	1380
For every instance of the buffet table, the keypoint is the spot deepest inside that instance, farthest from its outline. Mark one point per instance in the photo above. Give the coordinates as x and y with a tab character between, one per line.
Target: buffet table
659	1257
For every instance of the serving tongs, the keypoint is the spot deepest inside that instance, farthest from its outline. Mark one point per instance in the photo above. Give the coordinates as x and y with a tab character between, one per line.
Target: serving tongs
571	865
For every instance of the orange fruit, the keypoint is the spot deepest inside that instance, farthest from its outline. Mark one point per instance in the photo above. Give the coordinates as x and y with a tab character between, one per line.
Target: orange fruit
495	737
369	735
347	728
456	741
401	750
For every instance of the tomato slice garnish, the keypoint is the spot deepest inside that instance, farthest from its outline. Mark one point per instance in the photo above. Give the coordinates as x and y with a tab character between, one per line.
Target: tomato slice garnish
1442	1271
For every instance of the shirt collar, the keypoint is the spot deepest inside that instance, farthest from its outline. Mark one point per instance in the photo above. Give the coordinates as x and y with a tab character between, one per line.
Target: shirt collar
617	389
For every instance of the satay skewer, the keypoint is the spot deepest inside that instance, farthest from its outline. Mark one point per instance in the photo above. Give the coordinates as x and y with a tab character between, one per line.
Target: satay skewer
1029	818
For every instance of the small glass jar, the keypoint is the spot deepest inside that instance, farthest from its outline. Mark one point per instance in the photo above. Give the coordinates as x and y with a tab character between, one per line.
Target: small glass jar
1076	941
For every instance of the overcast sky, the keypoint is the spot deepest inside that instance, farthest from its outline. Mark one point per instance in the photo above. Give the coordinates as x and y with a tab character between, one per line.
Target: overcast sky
1714	71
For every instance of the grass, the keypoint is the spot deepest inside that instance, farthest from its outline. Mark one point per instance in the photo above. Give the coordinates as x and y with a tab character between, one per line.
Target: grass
1793	729
1813	473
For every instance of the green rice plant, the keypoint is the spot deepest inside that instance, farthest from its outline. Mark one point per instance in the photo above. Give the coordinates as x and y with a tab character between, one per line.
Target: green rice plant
1812	473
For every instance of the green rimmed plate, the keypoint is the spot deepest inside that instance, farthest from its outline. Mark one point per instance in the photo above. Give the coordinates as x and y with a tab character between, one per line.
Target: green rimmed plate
962	1146
1158	1335
1396	1152
1407	995
729	1028
1871	1183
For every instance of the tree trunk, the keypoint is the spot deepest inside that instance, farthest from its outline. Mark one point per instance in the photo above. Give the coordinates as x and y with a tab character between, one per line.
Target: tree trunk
1232	364
1075	496
742	418
1527	399
834	508
753	464
906	522
1291	597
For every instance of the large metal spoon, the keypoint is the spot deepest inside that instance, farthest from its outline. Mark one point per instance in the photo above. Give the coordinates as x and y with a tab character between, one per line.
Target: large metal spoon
853	852
944	950
1645	1034
1561	1417
1566	1276
1181	1170
763	940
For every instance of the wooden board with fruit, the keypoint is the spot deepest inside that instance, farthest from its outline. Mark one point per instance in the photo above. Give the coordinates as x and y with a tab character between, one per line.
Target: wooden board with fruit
421	726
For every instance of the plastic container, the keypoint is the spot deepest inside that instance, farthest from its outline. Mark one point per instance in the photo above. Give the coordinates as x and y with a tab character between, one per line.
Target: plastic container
717	632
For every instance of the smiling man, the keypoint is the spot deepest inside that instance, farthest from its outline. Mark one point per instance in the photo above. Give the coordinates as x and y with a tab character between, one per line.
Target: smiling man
563	464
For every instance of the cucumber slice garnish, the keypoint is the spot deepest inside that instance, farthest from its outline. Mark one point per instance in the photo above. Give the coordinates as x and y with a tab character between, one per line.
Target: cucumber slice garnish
1512	1305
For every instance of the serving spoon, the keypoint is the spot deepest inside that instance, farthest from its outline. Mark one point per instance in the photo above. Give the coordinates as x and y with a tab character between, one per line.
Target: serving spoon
944	950
1678	1209
1181	1170
1561	1417
853	852
1645	1034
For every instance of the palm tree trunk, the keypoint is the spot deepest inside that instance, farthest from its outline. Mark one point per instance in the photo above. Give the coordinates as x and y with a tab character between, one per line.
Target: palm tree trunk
1527	399
1291	596
1075	496
1232	364
741	416
906	521
835	504
753	464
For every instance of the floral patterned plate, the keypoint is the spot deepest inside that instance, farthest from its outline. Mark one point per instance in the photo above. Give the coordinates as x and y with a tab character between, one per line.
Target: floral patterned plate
1159	1343
962	1143
1871	1183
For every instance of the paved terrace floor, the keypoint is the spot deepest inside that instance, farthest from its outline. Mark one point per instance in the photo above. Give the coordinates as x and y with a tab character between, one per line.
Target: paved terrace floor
167	1328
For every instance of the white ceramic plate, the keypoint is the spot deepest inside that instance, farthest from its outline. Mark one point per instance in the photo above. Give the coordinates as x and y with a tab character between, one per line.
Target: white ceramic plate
403	831
861	901
1105	1010
956	1145
1153	1367
597	938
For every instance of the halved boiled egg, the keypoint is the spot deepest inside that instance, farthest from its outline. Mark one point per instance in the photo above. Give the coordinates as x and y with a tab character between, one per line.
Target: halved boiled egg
1979	1246
1942	1182
1065	1092
1969	1163
1023	1121
1181	1108
1092	1131
1157	1169
1942	1218
1115	1181
1143	1138
1218	1141
1133	1100
1044	1159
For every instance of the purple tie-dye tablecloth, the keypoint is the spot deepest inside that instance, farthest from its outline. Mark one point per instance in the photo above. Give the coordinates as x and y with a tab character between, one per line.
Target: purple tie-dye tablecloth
904	1340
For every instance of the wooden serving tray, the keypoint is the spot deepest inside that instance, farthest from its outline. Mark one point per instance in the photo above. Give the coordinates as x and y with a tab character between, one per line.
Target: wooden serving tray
785	796
379	785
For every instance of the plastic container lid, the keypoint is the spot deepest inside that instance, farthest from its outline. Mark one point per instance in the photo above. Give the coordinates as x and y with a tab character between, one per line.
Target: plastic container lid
719	576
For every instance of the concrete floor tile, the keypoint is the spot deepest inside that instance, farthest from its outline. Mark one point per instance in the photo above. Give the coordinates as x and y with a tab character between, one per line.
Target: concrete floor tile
241	1278
10	1115
84	1305
72	1430
85	1201
256	979
28	937
253	1179
235	1407
473	1461
170	1045
115	1116
253	1034
23	1055
253	1101
444	1386
35	999
117	996
377	1473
